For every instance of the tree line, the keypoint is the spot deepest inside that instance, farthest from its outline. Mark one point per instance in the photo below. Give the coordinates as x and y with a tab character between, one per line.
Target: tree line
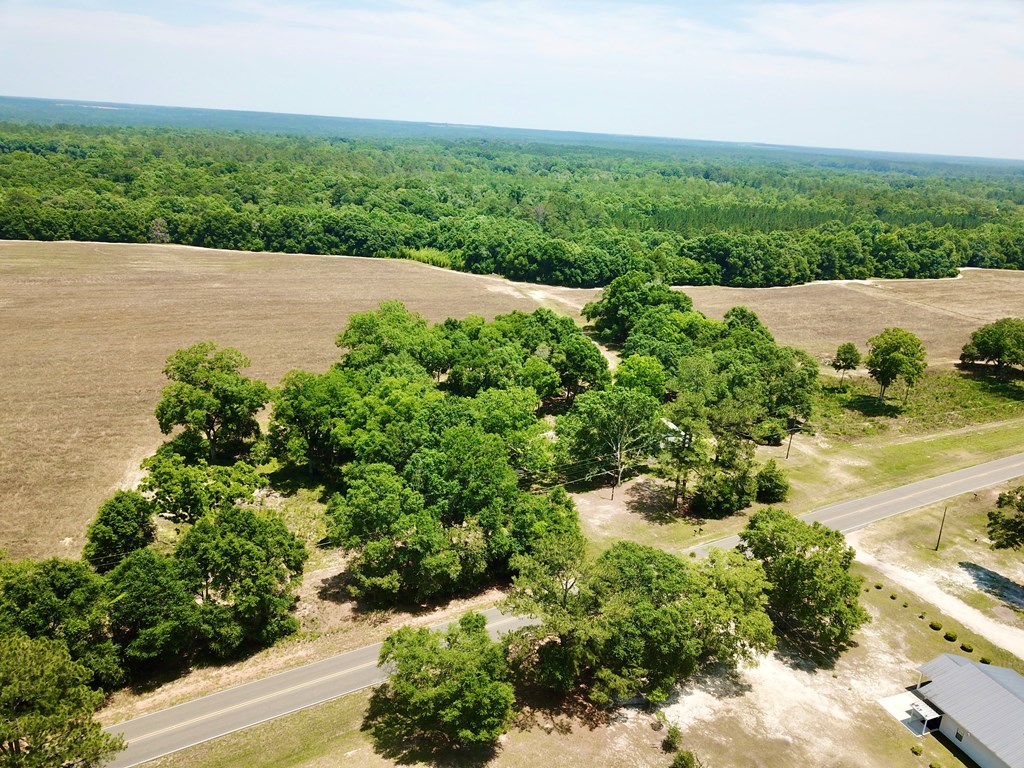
577	216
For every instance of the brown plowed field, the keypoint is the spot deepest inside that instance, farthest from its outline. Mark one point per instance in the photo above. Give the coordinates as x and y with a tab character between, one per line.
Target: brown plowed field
820	316
85	329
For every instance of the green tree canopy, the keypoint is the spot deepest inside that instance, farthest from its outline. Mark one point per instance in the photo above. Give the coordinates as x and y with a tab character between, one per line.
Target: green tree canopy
184	492
243	566
61	600
1006	521
47	707
813	596
894	354
209	396
449	689
1000	343
123	524
613	430
643	373
846	358
153	614
634	622
625	300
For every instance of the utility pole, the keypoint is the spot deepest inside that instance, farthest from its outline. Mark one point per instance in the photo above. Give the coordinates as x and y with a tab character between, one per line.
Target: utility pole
790	444
941	526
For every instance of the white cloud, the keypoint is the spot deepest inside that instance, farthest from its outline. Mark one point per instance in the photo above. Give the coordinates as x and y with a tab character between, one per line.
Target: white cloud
917	75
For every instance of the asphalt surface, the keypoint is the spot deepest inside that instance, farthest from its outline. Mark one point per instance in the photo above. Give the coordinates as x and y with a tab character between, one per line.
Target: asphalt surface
849	516
185	725
233	709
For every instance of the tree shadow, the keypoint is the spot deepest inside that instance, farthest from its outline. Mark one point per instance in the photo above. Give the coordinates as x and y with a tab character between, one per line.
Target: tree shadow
868	405
552	713
804	655
652	501
289	479
720	681
1007	383
405	747
996	585
335	589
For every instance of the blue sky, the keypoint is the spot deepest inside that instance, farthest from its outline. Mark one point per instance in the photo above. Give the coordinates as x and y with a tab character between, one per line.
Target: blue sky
905	75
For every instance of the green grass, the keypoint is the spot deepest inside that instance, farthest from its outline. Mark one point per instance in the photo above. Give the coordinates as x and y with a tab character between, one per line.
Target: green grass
851	469
942	400
911	635
324	735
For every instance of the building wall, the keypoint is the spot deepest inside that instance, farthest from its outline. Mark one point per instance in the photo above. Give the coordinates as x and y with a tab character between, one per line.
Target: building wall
973	748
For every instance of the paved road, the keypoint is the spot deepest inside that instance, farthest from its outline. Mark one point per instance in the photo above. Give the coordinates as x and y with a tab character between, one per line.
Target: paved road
849	516
233	709
194	722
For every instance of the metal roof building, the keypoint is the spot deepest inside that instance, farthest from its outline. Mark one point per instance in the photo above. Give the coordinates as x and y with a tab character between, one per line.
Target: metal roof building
982	708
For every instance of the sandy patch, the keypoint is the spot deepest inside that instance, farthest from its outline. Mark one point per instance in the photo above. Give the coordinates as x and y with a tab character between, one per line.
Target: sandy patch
924	586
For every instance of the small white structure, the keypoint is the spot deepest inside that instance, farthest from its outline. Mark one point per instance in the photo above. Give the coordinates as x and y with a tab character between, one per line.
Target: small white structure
982	708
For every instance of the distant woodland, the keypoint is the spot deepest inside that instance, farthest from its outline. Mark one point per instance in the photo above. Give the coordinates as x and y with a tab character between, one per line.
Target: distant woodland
559	213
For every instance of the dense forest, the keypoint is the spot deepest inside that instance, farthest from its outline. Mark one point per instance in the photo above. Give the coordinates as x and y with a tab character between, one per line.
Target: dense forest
561	213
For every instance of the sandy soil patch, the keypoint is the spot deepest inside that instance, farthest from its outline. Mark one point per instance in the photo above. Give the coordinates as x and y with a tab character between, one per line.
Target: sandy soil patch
937	585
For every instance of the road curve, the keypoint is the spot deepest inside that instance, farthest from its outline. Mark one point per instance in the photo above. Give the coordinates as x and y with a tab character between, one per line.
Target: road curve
185	725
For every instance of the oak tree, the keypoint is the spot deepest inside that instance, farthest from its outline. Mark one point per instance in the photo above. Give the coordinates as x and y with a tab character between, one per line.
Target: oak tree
895	353
209	396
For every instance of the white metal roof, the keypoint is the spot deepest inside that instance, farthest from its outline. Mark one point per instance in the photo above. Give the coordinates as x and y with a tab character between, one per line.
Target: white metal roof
988	701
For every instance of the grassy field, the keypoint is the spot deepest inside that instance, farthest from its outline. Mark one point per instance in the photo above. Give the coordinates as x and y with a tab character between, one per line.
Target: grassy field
944	399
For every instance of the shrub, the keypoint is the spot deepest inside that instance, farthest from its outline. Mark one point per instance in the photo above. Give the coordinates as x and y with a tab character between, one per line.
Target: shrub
951	636
878	586
772	485
673	738
985	660
659	720
721	494
892	596
906	604
966	647
934	765
916	749
684	760
936	625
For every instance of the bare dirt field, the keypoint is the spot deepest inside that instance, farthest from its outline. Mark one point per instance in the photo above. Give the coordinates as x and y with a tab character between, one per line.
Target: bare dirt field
819	316
86	328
